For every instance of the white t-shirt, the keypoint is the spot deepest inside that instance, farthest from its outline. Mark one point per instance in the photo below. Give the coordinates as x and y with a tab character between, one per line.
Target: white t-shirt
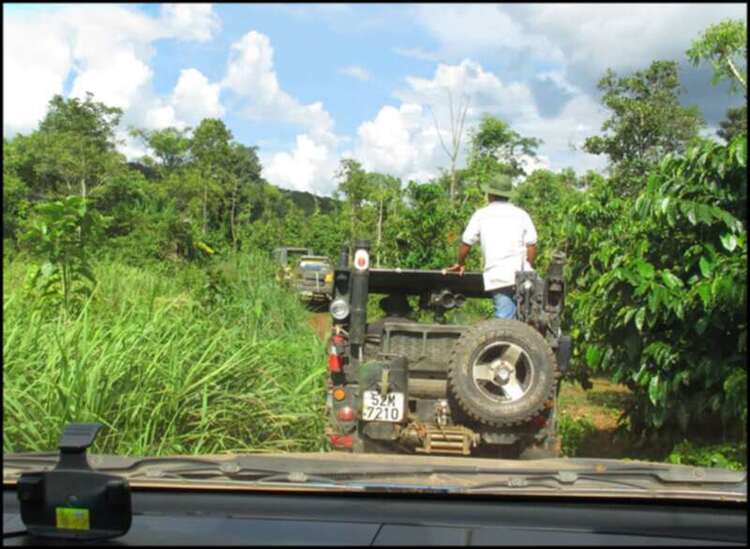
504	231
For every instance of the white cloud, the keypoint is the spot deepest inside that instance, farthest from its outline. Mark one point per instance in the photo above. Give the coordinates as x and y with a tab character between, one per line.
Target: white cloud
251	75
484	91
116	81
191	21
564	134
107	50
399	142
357	72
583	39
161	115
308	167
472	28
194	98
33	70
404	141
625	36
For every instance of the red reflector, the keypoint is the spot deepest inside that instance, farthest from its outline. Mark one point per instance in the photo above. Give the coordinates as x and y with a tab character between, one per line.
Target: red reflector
334	363
345	414
341	441
540	421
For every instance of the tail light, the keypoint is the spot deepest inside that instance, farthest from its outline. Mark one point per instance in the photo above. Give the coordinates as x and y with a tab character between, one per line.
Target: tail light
334	363
540	421
341	441
345	414
335	358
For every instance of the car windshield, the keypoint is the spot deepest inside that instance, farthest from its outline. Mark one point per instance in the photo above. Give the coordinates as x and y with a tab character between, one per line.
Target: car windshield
529	224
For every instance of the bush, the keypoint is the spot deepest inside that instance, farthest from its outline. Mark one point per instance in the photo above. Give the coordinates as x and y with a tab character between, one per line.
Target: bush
164	371
659	295
726	456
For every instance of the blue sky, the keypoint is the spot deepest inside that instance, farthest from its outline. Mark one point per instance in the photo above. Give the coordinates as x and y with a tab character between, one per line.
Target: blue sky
311	84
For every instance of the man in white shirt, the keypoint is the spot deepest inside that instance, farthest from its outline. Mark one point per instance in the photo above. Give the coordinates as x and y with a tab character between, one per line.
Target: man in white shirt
508	239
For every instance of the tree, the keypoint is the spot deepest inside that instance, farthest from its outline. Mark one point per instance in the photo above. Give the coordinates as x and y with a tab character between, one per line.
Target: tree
497	148
724	45
170	145
16	193
658	296
210	148
63	233
647	122
548	197
121	199
356	187
245	169
386	191
74	147
77	141
457	119
734	123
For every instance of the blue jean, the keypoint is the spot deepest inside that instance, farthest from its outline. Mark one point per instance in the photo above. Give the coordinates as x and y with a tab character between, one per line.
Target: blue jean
505	305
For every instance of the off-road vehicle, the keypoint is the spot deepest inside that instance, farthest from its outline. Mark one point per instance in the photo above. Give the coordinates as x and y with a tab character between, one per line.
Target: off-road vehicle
397	385
311	276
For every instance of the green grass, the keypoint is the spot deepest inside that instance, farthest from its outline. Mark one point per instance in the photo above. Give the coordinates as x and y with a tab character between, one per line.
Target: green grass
726	456
178	360
573	433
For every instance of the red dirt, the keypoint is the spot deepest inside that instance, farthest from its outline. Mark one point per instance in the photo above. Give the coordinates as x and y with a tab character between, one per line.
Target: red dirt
321	324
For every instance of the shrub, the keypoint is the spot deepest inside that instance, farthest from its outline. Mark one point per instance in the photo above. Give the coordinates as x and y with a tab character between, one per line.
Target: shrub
659	290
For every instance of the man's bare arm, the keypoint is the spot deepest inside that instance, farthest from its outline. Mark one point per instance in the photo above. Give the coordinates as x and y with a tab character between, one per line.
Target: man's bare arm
463	251
531	253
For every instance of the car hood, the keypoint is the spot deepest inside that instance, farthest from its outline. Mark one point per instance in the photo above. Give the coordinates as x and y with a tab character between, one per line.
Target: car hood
373	472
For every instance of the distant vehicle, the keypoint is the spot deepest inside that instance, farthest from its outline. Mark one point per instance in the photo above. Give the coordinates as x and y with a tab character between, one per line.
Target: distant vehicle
311	276
401	386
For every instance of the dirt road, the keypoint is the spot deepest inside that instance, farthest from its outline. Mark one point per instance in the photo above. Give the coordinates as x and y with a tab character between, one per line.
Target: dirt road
321	324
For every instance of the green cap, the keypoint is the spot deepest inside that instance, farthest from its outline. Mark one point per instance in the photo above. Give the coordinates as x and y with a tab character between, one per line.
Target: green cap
498	185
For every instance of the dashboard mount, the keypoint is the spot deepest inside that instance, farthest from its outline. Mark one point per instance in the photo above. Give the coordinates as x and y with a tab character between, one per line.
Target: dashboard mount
73	501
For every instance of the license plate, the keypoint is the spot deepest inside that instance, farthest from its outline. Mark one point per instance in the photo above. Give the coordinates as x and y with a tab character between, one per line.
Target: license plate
382	408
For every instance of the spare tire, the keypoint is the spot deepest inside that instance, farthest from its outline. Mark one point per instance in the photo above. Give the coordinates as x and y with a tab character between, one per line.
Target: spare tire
502	372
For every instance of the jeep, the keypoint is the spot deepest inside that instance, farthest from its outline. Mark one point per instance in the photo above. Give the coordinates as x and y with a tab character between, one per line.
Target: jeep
401	386
310	275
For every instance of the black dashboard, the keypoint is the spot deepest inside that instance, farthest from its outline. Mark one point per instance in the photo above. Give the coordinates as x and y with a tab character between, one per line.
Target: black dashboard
177	517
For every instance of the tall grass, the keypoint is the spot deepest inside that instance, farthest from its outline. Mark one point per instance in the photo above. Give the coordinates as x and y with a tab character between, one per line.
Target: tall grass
184	360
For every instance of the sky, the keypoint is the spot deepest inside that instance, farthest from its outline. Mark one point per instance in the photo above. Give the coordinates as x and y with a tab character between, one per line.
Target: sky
310	84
